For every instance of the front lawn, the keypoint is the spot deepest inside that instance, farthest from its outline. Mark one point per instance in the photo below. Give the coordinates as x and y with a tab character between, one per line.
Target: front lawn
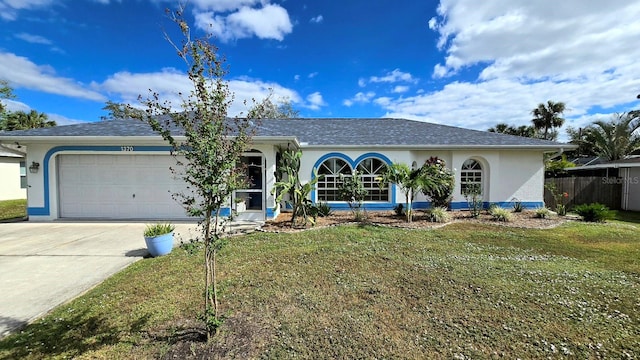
462	291
13	209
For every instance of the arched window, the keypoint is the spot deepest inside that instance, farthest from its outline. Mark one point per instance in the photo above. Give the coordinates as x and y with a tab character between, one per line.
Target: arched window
329	184
370	170
470	175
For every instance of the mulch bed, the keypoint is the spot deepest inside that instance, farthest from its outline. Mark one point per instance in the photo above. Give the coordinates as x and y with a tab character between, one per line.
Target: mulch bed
525	219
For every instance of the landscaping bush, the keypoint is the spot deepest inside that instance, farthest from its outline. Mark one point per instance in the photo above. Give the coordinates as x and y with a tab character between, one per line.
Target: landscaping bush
500	214
593	212
324	209
543	212
517	206
438	214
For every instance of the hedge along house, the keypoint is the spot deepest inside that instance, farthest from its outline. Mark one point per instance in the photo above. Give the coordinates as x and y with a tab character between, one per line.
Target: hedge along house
119	169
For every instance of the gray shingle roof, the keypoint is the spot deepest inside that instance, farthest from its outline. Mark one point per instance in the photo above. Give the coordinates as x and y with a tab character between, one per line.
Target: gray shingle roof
319	132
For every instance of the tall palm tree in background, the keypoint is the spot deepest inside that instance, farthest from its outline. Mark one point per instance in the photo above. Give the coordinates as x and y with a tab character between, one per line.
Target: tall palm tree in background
21	120
618	137
547	117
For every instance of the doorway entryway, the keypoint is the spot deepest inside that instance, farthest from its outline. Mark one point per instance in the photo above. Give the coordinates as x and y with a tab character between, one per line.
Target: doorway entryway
249	203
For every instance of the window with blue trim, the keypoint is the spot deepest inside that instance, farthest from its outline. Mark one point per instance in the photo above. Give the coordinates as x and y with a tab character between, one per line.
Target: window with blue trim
371	170
330	182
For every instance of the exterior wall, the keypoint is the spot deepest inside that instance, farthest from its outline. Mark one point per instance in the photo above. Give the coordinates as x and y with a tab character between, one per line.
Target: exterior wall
508	175
43	204
10	179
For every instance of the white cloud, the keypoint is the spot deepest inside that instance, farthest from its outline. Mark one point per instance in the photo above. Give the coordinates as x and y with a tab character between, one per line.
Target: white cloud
360	98
296	77
63	120
400	89
169	82
518	54
34	39
393	76
315	101
269	22
317	20
13	105
312	75
524	39
22	72
362	82
9	8
223	5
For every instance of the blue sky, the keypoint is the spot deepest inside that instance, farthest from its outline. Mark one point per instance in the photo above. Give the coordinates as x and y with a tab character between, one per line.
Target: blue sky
458	62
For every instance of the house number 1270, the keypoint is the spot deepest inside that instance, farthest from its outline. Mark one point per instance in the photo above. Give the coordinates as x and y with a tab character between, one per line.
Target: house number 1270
126	148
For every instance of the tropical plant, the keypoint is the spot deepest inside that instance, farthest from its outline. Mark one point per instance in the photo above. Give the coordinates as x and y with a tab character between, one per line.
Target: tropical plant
437	182
547	117
21	120
294	193
438	214
473	194
593	212
500	214
152	230
517	205
407	180
558	166
208	150
542	212
617	138
324	209
523	130
352	191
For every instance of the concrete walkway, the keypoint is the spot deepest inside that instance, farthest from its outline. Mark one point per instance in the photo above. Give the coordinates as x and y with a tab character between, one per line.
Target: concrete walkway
43	265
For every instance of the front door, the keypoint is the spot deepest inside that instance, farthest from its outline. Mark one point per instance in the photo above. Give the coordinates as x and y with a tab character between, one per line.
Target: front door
249	202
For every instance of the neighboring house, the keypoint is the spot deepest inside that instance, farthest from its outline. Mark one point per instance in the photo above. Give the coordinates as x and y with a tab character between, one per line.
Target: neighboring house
13	174
119	169
624	173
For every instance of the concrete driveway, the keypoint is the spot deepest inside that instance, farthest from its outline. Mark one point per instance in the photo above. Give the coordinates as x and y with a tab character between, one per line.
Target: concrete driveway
43	265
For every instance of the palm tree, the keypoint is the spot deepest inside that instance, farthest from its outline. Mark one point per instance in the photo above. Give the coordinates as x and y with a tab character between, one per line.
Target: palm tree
21	120
618	137
547	117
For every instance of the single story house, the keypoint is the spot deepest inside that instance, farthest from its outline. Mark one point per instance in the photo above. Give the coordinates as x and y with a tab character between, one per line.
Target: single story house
119	169
13	174
624	173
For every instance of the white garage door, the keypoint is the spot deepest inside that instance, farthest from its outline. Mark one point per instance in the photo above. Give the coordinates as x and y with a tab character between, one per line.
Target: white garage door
118	187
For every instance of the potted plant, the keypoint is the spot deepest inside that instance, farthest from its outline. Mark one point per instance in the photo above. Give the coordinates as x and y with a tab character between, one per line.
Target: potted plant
159	238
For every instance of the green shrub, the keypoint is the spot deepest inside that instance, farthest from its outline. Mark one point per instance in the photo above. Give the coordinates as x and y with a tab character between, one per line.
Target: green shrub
324	209
439	214
517	206
593	212
543	212
500	214
158	229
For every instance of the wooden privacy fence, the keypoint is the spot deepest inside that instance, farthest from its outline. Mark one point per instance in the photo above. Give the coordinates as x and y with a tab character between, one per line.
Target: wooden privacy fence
585	190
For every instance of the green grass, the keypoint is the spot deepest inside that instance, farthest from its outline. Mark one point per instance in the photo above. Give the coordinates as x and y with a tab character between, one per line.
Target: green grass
12	209
465	290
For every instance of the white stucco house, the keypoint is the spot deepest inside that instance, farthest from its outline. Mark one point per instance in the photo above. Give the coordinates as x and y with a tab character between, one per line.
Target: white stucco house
13	174
119	169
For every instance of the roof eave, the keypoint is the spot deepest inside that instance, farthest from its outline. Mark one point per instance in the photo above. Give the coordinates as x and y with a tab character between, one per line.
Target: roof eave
545	148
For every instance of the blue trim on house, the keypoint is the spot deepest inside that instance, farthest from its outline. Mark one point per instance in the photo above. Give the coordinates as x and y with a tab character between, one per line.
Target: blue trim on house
225	211
353	164
463	205
46	209
270	213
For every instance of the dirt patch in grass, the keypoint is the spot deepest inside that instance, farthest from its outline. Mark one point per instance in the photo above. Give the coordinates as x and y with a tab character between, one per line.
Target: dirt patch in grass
525	219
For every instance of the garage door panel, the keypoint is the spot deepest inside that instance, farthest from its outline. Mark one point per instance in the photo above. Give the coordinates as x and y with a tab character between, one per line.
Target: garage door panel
118	187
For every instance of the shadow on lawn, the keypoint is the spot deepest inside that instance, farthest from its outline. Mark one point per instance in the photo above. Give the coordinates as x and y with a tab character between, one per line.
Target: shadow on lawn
72	335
